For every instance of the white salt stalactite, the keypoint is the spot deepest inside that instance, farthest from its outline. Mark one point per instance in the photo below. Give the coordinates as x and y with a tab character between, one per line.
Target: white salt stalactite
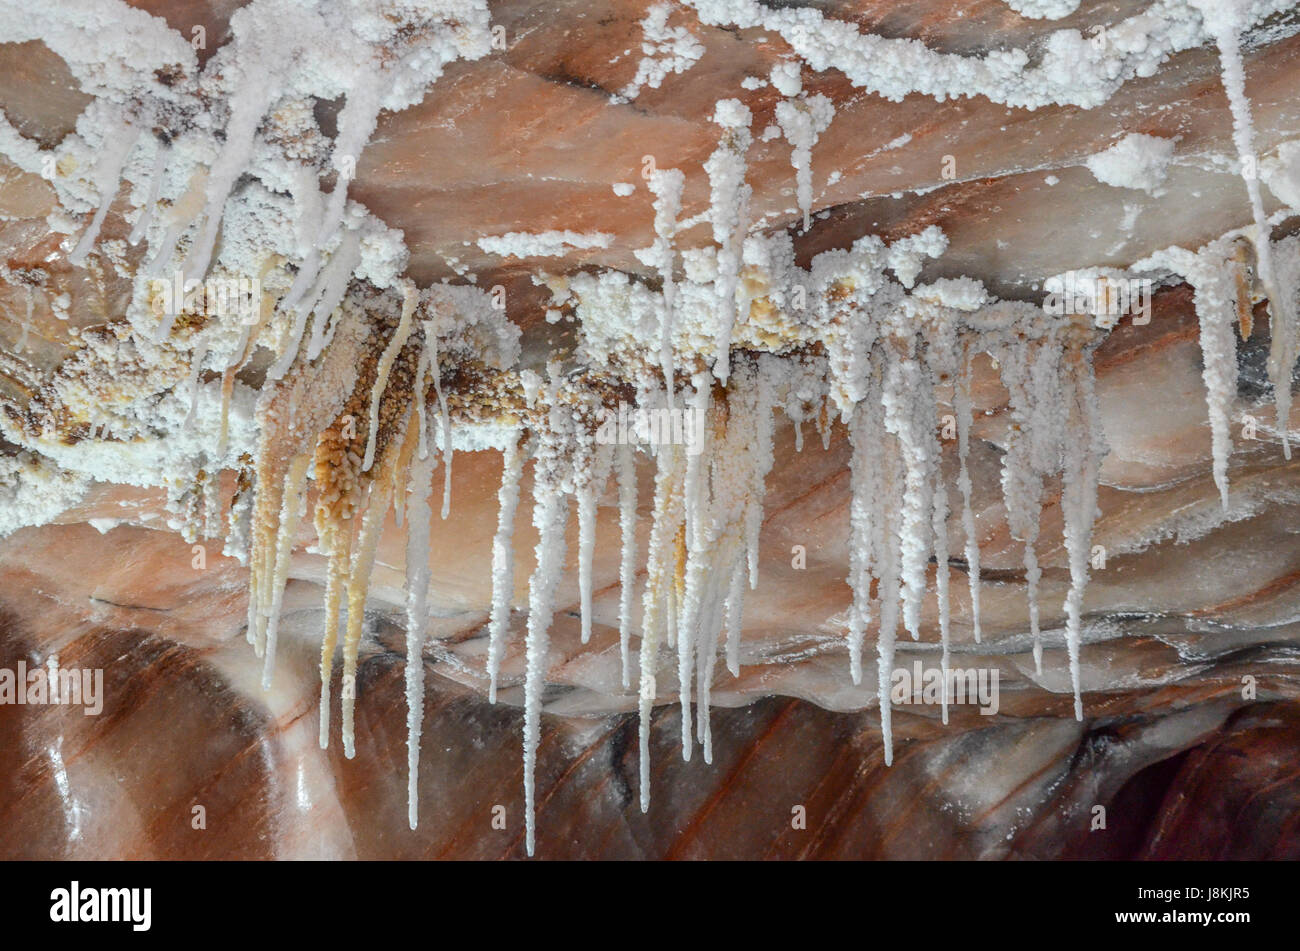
735	604
591	486
764	455
1083	452
356	124
338	274
503	562
116	149
866	436
386	359
421	415
902	381
627	490
728	213
962	410
1022	484
666	185
1226	20
1213	296
444	416
927	409
196	368
802	121
419	486
657	599
161	158
324	296
176	223
695	493
247	107
550	511
295	483
887	523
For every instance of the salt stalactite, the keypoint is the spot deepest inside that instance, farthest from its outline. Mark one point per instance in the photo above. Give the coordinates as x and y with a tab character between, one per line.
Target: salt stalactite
212	506
1213	297
337	277
275	413
395	344
735	615
661	564
295	484
175	223
335	475
728	211
1243	255
289	414
666	185
902	379
926	409
419	486
248	105
324	296
1226	20
887	526
550	512
223	426
749	407
192	384
764	455
720	543
115	150
1022	483
503	562
239	516
694	491
356	124
962	410
161	157
421	414
866	435
802	121
377	502
627	554
1083	452
444	416
589	483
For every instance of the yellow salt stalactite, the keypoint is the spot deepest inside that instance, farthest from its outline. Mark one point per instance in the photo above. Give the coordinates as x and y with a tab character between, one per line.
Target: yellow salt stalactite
1243	258
336	479
269	472
363	560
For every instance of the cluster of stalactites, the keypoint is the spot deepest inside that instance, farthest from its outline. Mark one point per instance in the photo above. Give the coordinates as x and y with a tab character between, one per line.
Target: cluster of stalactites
703	544
707	504
365	443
